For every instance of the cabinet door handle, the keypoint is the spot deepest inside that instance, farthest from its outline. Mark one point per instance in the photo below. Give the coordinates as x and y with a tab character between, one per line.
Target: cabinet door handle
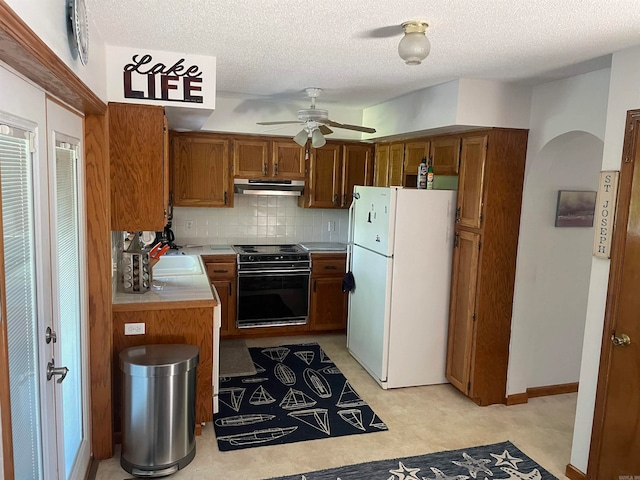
344	199
276	169
330	267
221	271
458	215
335	199
225	198
264	169
315	285
230	289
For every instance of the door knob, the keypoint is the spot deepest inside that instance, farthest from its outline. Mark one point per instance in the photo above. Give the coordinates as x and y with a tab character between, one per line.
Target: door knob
621	341
51	371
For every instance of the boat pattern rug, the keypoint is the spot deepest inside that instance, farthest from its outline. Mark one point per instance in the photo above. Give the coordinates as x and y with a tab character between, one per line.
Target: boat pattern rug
296	394
489	462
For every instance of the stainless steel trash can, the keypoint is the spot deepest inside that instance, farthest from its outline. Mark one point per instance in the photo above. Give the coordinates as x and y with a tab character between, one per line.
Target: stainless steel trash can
158	408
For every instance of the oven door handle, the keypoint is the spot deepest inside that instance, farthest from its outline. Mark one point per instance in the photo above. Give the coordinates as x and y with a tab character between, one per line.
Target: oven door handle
279	272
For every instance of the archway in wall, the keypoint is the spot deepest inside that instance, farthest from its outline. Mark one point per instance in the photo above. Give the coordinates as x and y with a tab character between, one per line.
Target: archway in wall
553	267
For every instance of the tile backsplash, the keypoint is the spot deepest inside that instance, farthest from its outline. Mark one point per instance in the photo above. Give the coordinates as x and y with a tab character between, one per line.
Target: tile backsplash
256	219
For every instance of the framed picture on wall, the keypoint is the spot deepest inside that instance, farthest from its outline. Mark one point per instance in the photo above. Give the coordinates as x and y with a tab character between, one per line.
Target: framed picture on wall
575	208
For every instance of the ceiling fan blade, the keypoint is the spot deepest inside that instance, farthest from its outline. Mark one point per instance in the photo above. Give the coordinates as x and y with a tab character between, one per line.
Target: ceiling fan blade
346	126
277	123
325	130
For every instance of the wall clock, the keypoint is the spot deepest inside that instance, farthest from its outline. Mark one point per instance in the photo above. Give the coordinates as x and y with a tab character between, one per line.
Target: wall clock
78	29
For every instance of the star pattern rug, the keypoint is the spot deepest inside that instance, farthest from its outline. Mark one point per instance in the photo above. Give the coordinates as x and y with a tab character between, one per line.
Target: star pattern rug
499	461
296	394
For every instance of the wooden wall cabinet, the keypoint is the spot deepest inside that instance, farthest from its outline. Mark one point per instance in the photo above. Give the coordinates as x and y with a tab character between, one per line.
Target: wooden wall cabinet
201	170
268	158
483	273
322	188
193	326
444	154
414	152
381	165
328	304
222	270
139	167
357	169
396	164
333	171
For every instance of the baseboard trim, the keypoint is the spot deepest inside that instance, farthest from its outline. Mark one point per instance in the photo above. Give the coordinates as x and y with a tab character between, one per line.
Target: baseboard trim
520	398
517	399
552	390
92	472
574	474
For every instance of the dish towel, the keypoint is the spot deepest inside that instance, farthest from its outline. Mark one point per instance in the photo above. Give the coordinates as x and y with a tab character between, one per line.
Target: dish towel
348	282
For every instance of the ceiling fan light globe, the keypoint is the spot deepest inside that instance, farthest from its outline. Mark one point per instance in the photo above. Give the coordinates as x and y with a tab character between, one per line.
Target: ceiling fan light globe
317	139
301	137
414	48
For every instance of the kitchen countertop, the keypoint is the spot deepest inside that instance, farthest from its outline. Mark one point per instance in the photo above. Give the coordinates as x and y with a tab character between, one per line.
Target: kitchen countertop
208	250
324	247
177	291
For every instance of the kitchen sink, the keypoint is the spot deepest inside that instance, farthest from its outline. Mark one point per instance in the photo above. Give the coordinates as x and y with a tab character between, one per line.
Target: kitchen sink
174	265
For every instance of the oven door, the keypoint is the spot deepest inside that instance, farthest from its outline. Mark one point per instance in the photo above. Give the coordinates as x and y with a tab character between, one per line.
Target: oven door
272	298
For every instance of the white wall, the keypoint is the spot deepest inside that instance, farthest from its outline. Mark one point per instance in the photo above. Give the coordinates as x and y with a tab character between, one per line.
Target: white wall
624	95
425	109
461	102
259	219
491	103
552	271
48	21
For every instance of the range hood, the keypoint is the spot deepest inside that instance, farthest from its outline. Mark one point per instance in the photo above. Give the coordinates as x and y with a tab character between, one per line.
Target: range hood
268	187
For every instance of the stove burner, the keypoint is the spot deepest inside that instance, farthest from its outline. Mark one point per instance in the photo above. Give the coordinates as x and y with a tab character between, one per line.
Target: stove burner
268	249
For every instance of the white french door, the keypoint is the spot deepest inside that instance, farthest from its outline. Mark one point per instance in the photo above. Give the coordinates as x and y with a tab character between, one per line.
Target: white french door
43	295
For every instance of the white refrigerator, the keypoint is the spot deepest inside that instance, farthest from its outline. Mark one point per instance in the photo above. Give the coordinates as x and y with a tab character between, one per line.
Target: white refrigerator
400	251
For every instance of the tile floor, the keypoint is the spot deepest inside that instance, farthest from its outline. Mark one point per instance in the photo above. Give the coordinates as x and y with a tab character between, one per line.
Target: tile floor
420	420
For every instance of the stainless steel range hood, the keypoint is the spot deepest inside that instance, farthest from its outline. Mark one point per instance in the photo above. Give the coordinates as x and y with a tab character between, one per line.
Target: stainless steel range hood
268	187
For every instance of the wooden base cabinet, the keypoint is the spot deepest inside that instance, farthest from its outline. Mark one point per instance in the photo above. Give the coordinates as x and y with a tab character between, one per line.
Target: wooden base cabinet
221	270
192	326
328	304
483	274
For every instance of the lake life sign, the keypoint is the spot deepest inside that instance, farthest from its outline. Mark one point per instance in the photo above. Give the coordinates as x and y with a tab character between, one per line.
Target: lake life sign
605	213
161	78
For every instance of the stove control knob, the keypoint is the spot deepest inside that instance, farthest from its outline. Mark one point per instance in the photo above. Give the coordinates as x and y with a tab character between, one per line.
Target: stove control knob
251	258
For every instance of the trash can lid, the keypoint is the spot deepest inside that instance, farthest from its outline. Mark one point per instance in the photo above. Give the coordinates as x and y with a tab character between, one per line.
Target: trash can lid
159	360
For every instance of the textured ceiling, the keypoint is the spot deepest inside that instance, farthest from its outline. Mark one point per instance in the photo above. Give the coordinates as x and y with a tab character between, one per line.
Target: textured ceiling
273	49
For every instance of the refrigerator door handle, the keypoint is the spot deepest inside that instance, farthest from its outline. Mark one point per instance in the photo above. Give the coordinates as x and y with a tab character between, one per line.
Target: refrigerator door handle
356	195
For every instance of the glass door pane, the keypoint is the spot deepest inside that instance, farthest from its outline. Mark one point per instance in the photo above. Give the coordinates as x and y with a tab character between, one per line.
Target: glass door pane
68	298
20	301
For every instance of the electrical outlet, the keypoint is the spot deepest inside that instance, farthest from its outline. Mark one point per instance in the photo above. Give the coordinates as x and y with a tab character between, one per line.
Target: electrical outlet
331	225
134	328
188	225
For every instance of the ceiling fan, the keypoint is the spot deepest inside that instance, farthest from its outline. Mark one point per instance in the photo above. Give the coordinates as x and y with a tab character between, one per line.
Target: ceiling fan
316	123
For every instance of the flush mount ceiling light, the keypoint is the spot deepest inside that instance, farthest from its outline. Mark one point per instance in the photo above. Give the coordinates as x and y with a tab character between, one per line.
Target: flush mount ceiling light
414	46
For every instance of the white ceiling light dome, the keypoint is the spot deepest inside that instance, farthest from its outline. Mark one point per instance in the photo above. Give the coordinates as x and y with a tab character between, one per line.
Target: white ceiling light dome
414	46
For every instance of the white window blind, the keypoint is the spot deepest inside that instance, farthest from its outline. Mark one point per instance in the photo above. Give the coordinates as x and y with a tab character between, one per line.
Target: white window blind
20	299
68	258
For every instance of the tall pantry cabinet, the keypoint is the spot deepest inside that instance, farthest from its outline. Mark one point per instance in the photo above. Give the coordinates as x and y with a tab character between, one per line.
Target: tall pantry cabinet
484	261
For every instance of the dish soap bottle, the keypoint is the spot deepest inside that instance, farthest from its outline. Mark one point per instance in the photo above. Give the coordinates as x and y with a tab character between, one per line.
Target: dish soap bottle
430	175
422	174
